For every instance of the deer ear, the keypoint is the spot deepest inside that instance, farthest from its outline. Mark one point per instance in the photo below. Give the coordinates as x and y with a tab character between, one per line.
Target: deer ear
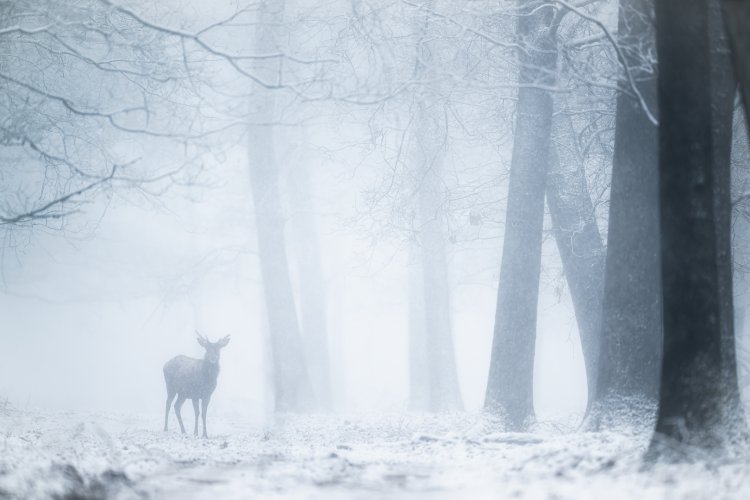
201	339
223	342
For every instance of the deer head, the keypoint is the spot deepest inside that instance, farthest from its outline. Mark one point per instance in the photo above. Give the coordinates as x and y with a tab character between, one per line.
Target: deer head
213	349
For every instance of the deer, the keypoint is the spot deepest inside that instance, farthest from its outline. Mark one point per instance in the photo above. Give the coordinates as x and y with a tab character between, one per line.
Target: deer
195	379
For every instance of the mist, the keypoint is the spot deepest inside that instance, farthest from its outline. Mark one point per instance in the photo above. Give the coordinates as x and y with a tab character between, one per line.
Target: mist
443	249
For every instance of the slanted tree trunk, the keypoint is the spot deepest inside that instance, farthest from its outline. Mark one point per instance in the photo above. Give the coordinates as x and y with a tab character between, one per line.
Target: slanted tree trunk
292	388
698	401
578	241
312	286
510	383
631	316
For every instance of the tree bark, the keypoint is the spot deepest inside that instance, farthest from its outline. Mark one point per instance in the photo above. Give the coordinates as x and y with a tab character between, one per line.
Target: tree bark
698	401
631	316
292	388
510	383
578	241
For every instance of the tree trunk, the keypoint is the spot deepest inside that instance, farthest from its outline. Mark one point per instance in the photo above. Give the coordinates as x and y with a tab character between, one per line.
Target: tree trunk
435	369
444	393
292	389
723	91
432	298
419	379
631	314
698	399
741	246
510	383
312	286
578	241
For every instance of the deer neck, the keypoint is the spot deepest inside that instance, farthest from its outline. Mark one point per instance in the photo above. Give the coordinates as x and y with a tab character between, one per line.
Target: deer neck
210	370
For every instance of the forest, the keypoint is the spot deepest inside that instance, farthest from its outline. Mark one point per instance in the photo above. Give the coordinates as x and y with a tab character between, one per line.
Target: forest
385	248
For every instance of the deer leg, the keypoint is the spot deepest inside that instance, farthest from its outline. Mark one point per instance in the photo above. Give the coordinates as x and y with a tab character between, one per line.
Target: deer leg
195	409
178	409
204	404
170	398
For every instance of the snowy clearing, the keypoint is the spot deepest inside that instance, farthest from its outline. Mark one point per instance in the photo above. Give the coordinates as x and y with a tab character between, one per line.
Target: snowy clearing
77	455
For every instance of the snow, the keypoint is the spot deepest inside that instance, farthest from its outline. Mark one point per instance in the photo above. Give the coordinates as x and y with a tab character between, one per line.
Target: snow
51	455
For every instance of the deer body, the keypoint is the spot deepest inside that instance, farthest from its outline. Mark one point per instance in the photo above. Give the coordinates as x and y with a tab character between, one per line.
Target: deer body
194	379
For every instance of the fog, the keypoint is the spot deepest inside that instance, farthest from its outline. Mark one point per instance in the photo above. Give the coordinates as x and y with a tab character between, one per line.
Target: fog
90	317
444	249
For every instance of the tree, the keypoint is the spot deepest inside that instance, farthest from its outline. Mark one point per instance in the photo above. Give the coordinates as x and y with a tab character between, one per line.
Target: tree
723	91
292	386
433	365
510	382
631	316
433	289
76	81
578	240
699	401
312	286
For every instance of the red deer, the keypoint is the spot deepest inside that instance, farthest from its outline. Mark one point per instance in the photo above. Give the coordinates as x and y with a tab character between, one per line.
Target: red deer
190	378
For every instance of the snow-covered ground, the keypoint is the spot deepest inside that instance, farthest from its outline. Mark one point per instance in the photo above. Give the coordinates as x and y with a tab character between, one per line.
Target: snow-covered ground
76	455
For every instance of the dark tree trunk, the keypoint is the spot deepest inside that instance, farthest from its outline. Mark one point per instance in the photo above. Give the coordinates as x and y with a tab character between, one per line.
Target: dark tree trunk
292	388
698	401
631	315
510	383
578	241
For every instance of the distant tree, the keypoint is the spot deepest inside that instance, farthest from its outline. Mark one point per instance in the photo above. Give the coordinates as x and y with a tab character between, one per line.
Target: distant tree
435	379
699	403
312	296
510	383
433	289
293	389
